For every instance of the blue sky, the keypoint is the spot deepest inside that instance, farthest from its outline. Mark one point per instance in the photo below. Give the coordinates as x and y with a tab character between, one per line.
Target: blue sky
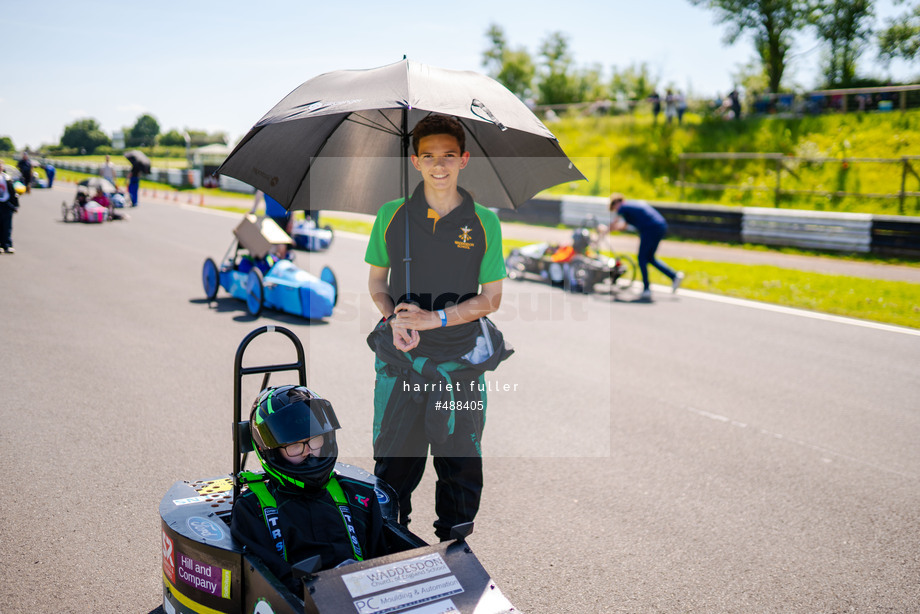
221	65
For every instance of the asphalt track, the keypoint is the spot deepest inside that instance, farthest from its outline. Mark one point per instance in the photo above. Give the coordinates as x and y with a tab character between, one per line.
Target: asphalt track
688	455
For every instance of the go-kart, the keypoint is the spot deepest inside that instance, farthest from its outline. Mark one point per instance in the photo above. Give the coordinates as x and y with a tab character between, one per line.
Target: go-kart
579	267
206	570
250	271
84	209
310	237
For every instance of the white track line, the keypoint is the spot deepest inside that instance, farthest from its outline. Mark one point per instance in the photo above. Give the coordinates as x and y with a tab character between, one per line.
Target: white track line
803	313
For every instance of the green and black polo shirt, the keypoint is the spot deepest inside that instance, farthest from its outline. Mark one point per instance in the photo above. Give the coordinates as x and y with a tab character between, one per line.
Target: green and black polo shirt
451	257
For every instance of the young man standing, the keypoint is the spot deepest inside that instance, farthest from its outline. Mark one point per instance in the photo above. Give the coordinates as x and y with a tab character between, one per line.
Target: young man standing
456	273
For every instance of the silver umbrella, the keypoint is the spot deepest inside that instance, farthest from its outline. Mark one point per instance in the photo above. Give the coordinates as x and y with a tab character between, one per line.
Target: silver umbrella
341	140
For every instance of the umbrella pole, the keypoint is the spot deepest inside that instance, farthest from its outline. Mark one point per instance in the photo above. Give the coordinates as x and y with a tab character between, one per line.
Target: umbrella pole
405	182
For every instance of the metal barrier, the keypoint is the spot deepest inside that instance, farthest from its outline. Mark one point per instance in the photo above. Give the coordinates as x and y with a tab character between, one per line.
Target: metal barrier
851	232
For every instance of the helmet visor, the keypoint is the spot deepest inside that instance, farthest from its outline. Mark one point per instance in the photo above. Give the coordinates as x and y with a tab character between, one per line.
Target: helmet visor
293	422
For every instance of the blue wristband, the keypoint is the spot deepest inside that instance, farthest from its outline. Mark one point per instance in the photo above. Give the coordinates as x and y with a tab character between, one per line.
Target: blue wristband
443	317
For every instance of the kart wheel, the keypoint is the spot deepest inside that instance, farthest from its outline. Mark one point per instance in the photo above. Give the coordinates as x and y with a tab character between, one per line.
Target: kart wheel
331	235
329	277
623	274
581	278
514	265
65	212
255	293
210	279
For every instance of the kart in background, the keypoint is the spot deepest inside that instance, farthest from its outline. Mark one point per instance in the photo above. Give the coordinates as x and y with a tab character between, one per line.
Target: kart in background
251	272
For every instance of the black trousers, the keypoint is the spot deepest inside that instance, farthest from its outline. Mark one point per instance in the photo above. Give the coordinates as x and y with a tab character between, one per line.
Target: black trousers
458	490
405	433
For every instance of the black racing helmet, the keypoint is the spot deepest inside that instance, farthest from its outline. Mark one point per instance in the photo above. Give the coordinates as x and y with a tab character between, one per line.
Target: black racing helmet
286	414
581	239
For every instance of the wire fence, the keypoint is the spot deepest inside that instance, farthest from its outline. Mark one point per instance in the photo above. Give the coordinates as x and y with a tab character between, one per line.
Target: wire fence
883	178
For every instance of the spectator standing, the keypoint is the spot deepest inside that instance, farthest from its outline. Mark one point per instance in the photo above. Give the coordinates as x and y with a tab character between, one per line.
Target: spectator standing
25	167
50	171
9	204
670	106
134	182
651	226
455	284
107	171
735	101
655	99
681	106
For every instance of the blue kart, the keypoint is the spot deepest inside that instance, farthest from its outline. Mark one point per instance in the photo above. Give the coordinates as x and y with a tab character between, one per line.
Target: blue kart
250	271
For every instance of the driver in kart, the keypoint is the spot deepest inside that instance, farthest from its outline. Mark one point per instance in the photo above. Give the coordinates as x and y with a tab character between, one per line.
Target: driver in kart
299	508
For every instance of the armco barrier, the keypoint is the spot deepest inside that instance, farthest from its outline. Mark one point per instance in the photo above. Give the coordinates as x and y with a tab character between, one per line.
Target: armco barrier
850	232
896	235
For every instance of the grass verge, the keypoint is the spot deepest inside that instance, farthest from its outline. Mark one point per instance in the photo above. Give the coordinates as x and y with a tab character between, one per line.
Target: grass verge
889	302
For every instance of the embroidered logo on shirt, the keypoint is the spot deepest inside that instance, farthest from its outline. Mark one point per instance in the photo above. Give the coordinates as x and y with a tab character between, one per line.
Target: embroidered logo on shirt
362	500
465	238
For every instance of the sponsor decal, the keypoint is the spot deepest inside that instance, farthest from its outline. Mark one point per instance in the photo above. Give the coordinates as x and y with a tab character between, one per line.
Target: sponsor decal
188	500
391	575
263	607
409	596
169	562
346	515
382	497
362	500
204	528
204	577
465	241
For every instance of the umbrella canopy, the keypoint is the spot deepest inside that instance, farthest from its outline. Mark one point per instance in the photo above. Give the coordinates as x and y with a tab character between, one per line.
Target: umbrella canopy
341	140
139	160
92	183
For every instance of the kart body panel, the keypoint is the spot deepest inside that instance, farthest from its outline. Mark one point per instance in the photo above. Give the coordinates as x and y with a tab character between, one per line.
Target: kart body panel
206	571
287	288
309	237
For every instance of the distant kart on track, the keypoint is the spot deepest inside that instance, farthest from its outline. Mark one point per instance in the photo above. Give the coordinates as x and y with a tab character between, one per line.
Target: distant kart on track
251	271
585	266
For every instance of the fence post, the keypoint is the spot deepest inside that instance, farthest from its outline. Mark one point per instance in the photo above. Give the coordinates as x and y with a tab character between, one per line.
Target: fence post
680	174
901	196
779	170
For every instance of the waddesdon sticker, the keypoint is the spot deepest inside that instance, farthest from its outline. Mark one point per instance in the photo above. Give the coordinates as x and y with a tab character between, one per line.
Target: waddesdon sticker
208	578
409	596
395	574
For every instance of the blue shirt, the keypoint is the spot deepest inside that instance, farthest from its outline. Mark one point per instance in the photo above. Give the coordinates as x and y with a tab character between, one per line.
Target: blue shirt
273	208
642	216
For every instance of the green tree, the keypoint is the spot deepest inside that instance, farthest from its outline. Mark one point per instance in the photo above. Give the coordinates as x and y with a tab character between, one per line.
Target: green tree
6	144
901	36
173	138
635	82
84	135
845	27
513	68
557	82
770	22
144	132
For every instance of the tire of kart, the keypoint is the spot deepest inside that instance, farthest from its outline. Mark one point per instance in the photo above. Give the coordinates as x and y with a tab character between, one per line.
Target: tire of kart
514	265
331	239
328	276
65	212
627	275
581	279
255	293
210	279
